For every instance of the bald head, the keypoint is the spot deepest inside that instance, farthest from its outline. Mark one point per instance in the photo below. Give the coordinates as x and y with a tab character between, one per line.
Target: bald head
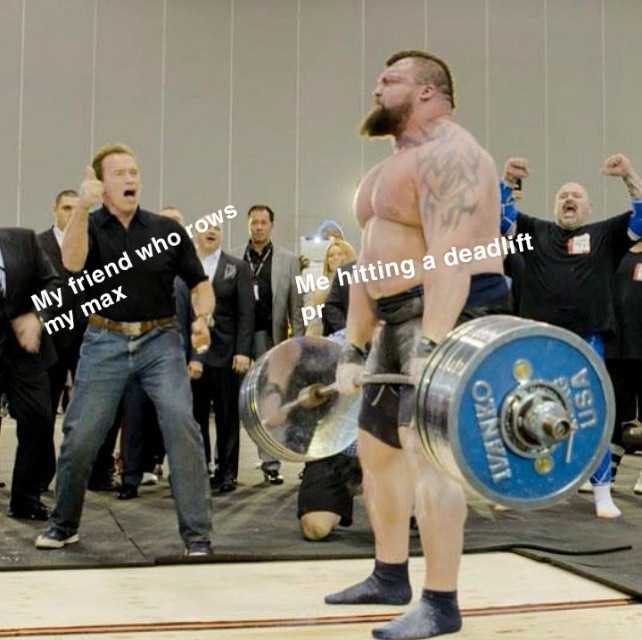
173	213
572	206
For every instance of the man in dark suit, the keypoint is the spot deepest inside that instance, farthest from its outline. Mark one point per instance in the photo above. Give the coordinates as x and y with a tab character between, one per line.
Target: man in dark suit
278	302
216	374
67	345
25	354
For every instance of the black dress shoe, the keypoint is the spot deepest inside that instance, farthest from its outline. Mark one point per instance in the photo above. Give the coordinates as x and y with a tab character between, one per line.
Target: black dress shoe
216	481
36	511
128	492
227	486
272	476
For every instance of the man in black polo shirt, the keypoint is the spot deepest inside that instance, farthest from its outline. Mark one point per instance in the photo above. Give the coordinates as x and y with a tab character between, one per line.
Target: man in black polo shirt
67	345
567	278
129	259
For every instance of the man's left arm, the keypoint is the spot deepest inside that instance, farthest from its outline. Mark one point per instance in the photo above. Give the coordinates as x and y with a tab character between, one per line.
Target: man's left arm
620	166
202	296
449	187
295	301
28	325
190	269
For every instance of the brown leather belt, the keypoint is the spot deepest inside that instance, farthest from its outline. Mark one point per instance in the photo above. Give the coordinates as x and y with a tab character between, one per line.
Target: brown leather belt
130	328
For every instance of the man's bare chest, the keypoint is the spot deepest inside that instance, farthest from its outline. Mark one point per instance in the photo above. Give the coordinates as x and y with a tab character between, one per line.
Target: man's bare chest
389	191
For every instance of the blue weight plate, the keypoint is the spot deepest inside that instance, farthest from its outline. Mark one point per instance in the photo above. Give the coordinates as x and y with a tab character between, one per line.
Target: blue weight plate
494	470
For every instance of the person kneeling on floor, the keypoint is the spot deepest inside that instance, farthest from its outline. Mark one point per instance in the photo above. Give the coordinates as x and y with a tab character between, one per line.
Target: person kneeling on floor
326	494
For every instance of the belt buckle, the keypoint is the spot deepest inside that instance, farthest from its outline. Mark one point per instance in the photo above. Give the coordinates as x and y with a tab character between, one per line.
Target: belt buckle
133	328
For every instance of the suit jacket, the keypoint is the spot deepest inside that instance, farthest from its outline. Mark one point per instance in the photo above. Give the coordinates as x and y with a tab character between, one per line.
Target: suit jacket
64	339
335	311
233	314
28	272
286	300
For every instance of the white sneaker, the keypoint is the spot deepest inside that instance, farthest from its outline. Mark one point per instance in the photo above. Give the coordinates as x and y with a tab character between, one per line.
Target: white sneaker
52	539
638	486
149	479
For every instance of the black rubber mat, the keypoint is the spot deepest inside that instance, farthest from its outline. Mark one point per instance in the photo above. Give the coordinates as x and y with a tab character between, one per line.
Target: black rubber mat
258	523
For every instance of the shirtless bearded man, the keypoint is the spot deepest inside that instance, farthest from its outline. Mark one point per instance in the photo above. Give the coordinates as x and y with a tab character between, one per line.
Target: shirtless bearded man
437	191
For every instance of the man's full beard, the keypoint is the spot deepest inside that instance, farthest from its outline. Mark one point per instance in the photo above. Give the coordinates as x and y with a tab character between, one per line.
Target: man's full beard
385	122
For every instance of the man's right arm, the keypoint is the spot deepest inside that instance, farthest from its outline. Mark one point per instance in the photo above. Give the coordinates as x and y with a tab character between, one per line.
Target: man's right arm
75	242
361	325
361	317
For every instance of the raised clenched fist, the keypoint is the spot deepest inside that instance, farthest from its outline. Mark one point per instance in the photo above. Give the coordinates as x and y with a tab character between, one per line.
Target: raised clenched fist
617	165
515	168
91	190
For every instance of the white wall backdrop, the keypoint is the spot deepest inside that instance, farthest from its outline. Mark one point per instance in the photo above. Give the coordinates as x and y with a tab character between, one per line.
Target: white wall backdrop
239	101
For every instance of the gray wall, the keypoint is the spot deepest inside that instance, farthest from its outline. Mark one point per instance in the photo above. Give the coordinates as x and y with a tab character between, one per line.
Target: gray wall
237	101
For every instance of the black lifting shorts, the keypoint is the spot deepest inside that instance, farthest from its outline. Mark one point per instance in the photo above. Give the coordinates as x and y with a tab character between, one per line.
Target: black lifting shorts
384	408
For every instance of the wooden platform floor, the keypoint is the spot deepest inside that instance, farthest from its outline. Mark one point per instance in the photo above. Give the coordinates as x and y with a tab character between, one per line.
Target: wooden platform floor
502	595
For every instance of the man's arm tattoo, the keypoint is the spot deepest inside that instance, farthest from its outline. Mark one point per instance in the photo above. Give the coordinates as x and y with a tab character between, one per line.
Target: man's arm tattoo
449	179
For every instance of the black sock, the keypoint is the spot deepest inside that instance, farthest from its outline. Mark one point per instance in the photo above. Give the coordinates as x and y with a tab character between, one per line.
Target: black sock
435	614
388	584
617	453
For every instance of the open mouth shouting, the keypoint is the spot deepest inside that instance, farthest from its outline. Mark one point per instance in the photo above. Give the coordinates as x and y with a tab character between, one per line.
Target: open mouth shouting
569	208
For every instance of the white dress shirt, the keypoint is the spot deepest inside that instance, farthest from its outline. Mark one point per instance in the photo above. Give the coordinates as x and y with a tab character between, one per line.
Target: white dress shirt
59	235
210	263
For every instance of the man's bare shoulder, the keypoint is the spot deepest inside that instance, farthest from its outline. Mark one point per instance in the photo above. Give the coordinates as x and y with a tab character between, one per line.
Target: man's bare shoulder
454	173
449	142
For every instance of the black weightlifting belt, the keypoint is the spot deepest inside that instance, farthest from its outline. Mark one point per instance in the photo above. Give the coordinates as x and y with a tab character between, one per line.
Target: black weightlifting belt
485	288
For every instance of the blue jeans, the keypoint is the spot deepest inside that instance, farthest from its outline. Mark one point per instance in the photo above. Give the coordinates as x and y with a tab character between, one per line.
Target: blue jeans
109	361
602	475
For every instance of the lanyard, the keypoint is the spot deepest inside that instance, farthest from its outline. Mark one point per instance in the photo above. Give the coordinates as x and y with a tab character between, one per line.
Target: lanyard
257	270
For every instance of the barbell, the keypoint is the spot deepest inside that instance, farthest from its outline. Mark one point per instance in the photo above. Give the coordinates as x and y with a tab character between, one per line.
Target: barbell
520	412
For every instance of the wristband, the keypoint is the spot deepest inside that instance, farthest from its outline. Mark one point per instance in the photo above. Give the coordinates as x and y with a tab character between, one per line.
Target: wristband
425	347
505	192
508	210
635	220
509	217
